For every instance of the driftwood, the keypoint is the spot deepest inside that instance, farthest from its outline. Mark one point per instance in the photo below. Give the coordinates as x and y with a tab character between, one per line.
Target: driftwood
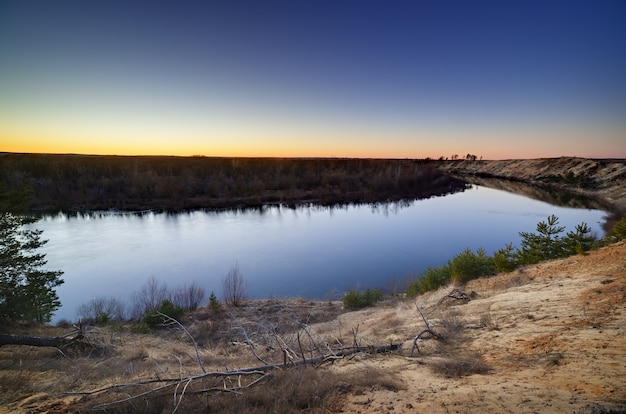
428	330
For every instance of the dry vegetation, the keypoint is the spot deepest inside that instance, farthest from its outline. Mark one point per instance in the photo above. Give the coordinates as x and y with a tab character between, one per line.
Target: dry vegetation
79	182
545	338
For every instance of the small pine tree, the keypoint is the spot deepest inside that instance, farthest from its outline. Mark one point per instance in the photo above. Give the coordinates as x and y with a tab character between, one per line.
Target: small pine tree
543	245
504	259
214	303
166	308
27	293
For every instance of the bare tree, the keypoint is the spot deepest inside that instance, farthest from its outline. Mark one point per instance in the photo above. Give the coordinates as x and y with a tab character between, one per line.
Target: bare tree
234	287
102	308
188	297
149	298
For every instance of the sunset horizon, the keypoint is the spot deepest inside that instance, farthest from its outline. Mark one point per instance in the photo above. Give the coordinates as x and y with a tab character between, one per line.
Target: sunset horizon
315	80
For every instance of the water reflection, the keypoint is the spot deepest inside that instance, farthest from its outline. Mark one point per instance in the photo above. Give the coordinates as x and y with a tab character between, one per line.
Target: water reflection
309	251
542	193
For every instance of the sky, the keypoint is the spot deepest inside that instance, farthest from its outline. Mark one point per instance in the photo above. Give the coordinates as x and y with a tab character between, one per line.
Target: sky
296	78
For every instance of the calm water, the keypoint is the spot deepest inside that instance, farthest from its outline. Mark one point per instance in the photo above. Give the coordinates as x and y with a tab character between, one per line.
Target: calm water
313	252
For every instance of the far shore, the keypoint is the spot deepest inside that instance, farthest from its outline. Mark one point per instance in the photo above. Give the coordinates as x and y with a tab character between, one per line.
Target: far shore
84	183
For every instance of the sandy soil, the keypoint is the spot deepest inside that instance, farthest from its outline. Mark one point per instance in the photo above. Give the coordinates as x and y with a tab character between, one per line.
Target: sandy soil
553	335
546	338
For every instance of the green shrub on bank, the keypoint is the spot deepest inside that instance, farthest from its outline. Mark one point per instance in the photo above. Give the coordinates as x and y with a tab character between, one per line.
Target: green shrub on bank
214	302
547	243
504	259
468	265
432	278
354	299
465	266
167	308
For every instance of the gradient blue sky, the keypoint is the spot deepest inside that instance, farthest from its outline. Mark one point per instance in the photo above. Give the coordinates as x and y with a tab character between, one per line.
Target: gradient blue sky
499	79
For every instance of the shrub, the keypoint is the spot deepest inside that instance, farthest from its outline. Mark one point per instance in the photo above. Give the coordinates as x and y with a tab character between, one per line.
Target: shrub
468	265
504	259
432	278
148	299
188	297
547	244
535	247
140	327
543	245
578	241
353	299
214	303
167	308
234	287
102	310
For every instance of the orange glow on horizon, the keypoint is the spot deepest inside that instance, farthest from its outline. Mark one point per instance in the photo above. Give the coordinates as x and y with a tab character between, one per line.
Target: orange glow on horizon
488	143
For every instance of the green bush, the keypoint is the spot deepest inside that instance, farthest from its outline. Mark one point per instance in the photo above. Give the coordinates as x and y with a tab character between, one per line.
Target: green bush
354	299
432	278
167	308
468	265
543	245
140	327
578	241
504	259
103	318
547	243
214	302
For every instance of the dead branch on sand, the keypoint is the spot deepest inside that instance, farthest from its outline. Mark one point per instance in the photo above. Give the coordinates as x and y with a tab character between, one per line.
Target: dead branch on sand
428	330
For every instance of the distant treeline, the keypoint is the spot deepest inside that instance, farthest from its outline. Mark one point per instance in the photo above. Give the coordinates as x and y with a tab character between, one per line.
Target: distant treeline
82	183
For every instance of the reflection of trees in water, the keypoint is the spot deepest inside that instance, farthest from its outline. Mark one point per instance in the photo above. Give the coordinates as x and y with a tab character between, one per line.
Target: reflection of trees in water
549	195
542	193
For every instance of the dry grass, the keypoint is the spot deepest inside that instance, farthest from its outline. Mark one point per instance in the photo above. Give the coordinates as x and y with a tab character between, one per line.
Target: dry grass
460	363
369	377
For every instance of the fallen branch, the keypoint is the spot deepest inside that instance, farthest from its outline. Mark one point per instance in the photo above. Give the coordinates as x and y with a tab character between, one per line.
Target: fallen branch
56	342
428	330
176	383
180	325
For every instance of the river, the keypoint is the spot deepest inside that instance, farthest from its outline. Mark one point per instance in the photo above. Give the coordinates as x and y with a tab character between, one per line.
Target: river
311	252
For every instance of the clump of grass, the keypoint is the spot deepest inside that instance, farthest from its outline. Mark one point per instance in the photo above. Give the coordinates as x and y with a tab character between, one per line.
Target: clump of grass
455	358
289	390
15	381
370	378
486	321
461	364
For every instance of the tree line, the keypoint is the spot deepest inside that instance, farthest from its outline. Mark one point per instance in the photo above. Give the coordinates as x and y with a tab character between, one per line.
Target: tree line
80	182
